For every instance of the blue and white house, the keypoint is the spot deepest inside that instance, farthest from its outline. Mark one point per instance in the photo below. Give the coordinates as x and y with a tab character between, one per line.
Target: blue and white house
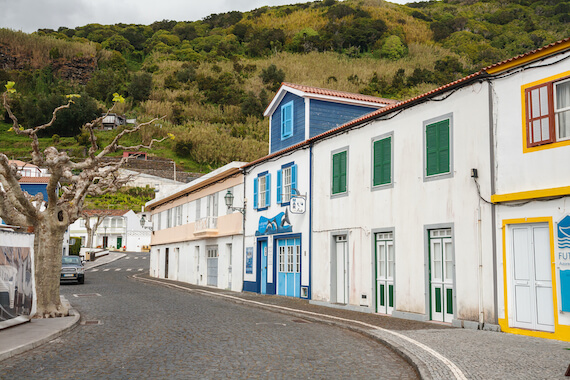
277	187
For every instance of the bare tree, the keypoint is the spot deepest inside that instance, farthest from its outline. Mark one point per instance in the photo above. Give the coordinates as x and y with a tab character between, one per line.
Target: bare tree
99	216
49	218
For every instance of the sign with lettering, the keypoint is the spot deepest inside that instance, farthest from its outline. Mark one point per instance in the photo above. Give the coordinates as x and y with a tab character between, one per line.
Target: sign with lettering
249	260
563	255
297	205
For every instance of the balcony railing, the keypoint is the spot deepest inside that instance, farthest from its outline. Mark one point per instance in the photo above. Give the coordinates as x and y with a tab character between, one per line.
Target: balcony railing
207	226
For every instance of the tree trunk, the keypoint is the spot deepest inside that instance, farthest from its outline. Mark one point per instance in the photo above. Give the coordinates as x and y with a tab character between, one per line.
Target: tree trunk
48	244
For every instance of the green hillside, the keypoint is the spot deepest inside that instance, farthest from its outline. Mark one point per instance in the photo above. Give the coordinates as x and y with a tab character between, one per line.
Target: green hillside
214	77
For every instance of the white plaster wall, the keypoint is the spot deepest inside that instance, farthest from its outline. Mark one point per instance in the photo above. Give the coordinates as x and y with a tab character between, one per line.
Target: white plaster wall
555	209
410	205
299	222
517	171
184	268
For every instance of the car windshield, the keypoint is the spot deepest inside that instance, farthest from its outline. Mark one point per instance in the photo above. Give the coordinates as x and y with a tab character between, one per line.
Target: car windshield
71	260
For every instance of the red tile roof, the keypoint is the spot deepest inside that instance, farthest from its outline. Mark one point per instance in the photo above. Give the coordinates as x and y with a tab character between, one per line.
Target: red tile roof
34	180
547	50
339	94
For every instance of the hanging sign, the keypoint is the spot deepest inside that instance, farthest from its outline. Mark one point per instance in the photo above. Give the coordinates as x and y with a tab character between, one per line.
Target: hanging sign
297	205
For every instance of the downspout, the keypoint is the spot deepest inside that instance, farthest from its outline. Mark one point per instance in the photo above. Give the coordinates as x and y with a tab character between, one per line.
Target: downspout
310	222
243	233
493	210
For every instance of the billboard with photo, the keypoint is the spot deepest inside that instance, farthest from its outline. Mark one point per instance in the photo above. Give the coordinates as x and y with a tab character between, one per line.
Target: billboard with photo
16	275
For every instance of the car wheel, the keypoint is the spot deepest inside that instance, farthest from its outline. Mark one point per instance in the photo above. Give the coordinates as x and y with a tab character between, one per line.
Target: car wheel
81	280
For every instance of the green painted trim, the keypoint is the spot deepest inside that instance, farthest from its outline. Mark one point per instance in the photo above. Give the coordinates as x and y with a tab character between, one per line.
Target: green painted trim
449	301
391	295
438	300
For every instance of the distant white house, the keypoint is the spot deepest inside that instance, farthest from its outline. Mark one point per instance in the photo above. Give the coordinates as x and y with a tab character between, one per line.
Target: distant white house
120	230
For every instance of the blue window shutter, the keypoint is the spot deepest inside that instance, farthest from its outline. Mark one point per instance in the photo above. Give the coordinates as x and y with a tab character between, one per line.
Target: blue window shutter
255	191
287	120
268	192
279	186
293	179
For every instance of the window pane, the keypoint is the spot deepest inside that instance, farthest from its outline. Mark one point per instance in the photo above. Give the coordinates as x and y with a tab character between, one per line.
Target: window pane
545	122
543	101
535	105
563	122
536	131
563	95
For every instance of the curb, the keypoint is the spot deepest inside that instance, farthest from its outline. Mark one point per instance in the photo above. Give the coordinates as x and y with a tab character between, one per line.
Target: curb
98	264
31	345
418	364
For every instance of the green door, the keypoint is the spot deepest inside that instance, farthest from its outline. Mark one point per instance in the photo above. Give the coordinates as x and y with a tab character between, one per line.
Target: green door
119	242
385	270
441	275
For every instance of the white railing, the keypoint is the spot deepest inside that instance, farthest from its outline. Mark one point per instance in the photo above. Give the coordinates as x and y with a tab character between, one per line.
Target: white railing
207	223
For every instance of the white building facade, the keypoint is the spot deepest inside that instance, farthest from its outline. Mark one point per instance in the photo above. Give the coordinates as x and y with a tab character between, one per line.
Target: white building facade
277	254
196	238
119	230
398	224
532	192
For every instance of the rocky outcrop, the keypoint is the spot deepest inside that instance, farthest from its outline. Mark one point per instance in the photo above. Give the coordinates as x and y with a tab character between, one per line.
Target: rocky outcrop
78	69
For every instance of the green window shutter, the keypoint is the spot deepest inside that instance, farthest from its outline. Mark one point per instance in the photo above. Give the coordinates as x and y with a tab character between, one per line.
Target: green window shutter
339	173
437	148
382	161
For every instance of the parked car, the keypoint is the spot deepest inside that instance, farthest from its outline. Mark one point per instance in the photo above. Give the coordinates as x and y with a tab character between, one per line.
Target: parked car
72	269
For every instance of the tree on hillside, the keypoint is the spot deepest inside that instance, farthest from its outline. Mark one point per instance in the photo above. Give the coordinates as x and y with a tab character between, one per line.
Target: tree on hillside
49	218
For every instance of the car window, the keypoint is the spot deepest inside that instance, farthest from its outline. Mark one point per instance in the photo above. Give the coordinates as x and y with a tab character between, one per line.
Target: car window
70	260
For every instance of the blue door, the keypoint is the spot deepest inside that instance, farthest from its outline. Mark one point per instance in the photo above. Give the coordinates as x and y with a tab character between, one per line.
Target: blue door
263	254
289	267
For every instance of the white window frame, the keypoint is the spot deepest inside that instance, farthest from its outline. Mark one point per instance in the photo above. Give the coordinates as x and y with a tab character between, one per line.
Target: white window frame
558	111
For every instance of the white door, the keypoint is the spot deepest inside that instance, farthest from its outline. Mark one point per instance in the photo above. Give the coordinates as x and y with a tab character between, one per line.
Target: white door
212	266
441	275
385	269
530	295
341	269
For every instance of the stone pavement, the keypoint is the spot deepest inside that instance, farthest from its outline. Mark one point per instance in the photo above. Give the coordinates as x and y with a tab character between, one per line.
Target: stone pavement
26	336
437	351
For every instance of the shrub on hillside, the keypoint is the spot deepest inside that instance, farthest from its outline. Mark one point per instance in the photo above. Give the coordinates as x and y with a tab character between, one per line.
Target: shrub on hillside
393	48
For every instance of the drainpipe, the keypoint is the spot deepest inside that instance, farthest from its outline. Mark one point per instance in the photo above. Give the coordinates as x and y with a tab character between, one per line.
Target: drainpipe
243	234
480	271
310	296
493	210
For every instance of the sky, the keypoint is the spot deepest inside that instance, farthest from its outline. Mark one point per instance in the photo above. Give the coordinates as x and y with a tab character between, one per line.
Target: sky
31	15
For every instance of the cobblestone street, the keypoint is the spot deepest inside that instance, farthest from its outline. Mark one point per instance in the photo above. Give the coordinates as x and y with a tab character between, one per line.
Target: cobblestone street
134	330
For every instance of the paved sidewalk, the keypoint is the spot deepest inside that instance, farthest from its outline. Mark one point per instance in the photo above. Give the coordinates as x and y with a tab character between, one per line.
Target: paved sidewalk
437	351
26	336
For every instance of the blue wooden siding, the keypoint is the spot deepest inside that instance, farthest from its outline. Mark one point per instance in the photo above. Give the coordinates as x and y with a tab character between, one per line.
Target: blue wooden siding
327	115
35	188
298	123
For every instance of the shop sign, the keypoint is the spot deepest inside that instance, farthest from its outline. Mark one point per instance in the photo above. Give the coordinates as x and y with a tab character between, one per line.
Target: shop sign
249	260
279	224
563	255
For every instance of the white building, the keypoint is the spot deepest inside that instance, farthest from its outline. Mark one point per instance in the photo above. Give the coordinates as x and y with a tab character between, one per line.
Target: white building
120	230
278	214
196	238
398	225
531	101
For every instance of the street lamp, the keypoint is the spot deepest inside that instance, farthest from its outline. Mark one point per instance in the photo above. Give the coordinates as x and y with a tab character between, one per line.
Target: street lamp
143	223
229	199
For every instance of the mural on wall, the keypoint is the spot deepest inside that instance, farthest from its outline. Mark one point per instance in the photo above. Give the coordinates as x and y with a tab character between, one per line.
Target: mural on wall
16	290
563	235
277	225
